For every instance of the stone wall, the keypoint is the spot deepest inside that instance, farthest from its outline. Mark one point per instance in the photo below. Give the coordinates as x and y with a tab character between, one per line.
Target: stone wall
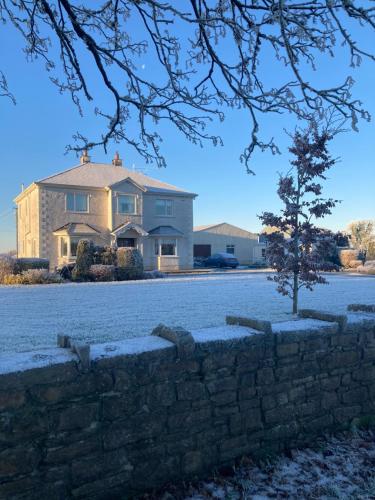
132	415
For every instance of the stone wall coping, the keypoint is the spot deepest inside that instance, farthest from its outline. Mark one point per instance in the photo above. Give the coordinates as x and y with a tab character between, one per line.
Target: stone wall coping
23	361
304	326
129	347
282	332
223	333
361	318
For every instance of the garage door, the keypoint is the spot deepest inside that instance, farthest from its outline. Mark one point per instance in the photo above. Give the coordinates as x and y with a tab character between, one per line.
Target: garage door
202	250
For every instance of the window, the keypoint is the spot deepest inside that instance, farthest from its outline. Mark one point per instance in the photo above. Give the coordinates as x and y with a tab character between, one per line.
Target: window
64	247
263	253
126	204
164	207
66	243
166	247
73	247
230	249
76	202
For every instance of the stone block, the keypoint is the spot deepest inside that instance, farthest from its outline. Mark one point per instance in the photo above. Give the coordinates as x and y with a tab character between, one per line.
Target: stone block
191	390
74	416
265	376
344	415
222	384
256	324
287	349
224	398
340	319
11	400
179	336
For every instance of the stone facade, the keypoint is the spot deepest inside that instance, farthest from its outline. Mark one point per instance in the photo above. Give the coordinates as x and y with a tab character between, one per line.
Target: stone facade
138	413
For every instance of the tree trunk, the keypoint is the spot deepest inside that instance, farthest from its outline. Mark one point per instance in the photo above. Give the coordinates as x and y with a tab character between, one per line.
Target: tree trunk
295	293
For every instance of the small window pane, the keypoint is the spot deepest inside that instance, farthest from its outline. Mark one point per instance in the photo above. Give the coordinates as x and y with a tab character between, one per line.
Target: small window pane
81	202
168	247
126	204
164	207
70	202
73	248
64	247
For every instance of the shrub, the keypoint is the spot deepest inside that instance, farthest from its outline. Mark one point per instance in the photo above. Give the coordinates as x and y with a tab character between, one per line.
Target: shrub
32	277
347	255
66	271
101	272
353	264
366	269
109	256
7	266
98	255
85	258
130	264
26	263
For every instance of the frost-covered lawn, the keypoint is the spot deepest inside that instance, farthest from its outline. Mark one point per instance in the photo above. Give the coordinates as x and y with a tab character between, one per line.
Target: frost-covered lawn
340	468
32	316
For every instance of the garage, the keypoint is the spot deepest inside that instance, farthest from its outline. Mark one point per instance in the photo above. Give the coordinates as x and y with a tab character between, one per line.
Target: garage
202	251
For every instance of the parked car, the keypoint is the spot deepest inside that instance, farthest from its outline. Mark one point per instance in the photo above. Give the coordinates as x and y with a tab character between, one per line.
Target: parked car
221	259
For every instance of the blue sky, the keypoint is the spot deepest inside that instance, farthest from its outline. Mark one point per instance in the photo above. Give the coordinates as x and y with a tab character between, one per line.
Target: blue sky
34	134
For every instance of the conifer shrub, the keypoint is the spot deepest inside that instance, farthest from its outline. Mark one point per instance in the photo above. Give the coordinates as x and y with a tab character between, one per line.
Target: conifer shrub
85	259
109	256
130	264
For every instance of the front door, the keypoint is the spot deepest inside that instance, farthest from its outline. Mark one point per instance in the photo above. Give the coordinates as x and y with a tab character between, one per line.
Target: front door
126	242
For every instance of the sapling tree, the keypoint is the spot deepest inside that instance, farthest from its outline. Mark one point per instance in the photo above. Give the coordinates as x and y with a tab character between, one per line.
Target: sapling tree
297	248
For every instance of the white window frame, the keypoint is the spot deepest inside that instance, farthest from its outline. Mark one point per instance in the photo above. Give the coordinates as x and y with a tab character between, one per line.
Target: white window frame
165	201
118	203
160	241
74	203
231	246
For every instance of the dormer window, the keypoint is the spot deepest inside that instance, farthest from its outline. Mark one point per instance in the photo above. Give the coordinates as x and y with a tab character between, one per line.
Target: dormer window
126	204
77	202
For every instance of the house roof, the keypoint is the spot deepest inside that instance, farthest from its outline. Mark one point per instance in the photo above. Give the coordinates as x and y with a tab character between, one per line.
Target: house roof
208	226
78	228
211	226
101	175
165	231
128	226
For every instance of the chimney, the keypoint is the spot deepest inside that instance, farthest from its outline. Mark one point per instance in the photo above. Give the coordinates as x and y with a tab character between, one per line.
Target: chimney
85	157
117	162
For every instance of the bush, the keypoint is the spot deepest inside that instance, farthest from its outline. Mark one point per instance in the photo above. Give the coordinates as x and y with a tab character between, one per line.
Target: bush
109	256
346	256
366	269
101	272
353	264
33	277
7	266
98	255
85	259
26	263
130	264
66	271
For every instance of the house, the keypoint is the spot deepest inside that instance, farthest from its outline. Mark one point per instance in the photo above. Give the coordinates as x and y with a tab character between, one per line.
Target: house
109	205
224	237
